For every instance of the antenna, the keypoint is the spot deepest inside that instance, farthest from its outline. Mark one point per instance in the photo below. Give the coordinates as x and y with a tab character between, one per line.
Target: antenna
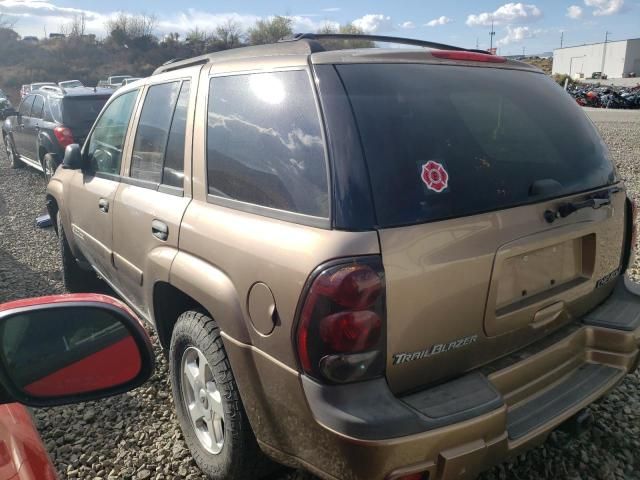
561	38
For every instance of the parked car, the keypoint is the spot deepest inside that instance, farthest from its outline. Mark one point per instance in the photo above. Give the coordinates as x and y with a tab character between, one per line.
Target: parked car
37	86
48	120
380	263
59	350
70	84
114	81
24	90
129	80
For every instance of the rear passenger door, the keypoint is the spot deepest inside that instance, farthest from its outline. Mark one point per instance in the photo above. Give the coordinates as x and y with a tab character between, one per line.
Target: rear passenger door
155	191
19	135
32	128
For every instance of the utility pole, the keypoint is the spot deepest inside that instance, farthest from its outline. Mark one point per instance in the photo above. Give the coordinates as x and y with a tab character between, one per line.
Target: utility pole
604	50
491	35
477	43
561	39
523	50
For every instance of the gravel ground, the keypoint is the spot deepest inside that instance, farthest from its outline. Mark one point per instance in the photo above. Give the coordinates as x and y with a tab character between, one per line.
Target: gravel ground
136	435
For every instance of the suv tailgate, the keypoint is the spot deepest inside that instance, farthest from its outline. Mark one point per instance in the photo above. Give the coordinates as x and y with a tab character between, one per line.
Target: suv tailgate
465	162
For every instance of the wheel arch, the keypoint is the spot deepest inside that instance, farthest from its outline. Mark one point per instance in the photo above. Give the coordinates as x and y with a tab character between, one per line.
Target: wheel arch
195	284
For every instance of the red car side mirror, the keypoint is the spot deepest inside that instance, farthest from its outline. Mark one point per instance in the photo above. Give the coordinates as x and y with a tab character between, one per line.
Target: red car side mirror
71	348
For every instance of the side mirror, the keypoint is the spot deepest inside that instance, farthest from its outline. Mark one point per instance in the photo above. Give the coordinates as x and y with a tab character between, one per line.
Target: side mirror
71	348
72	157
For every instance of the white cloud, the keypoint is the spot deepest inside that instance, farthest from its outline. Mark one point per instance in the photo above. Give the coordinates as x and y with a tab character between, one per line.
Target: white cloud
508	13
574	12
408	25
605	7
374	23
517	34
438	21
331	9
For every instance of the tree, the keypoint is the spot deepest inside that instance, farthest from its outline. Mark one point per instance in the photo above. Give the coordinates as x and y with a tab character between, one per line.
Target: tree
347	29
124	27
76	27
6	22
270	30
228	35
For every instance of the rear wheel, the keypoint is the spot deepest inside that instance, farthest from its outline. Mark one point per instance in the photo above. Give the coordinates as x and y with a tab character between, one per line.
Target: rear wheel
208	405
12	156
75	278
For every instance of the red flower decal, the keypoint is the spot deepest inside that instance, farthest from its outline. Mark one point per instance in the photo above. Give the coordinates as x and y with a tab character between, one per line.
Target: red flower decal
434	176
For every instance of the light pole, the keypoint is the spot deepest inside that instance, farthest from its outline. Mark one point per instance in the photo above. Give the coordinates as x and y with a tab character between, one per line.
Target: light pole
604	51
571	63
491	35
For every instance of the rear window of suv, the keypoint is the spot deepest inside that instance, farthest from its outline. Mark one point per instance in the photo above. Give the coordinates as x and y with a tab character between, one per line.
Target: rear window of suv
449	141
81	111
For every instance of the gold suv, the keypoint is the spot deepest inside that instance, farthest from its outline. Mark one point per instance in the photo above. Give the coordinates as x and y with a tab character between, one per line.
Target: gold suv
402	263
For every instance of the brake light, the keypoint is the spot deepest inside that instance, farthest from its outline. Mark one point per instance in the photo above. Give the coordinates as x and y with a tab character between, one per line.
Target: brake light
341	325
467	56
64	136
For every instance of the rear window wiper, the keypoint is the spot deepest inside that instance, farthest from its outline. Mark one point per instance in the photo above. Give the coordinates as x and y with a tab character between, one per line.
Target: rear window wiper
596	201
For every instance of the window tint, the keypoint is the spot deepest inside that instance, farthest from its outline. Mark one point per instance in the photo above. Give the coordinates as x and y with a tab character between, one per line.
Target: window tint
449	141
173	173
153	131
81	112
25	106
107	139
264	142
38	105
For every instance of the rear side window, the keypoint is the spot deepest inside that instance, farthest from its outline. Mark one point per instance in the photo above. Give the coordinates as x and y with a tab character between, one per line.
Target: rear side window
25	106
153	131
173	171
449	141
38	105
265	144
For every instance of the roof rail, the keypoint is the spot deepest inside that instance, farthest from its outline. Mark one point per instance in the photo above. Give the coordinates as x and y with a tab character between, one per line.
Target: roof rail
285	48
376	38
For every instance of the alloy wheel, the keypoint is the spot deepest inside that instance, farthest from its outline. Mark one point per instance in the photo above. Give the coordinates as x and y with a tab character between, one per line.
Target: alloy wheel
202	400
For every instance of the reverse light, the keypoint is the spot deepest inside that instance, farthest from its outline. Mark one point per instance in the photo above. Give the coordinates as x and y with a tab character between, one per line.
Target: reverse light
64	136
467	56
342	320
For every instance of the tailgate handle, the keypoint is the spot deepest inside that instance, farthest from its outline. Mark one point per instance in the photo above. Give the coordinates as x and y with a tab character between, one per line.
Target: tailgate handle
547	315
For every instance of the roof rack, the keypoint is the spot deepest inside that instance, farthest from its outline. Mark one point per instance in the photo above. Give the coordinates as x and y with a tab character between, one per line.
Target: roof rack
376	38
299	43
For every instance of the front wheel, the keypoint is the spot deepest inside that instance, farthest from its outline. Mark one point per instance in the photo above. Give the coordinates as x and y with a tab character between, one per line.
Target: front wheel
12	156
75	278
208	405
49	166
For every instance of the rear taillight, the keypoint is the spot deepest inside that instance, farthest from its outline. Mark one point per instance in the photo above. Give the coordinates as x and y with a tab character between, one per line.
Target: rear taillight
64	136
342	322
467	56
631	234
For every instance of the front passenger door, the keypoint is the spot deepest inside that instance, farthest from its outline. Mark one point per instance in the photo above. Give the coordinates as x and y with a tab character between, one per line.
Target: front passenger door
91	195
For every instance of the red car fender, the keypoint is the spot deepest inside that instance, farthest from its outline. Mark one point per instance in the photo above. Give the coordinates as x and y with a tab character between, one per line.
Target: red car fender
22	453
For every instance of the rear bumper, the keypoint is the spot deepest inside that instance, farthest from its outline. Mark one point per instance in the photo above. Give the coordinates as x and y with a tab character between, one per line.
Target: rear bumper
455	430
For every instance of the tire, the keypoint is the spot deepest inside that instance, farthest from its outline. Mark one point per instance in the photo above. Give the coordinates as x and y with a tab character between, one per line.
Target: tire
74	278
196	346
10	151
49	166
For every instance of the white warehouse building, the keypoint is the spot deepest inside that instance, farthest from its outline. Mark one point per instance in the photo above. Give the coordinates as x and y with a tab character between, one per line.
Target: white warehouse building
621	57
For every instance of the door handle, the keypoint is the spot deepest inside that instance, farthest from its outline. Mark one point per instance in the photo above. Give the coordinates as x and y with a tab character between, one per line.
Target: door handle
103	205
160	230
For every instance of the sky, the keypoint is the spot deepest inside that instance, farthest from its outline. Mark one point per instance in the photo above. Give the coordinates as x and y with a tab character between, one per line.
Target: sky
536	27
